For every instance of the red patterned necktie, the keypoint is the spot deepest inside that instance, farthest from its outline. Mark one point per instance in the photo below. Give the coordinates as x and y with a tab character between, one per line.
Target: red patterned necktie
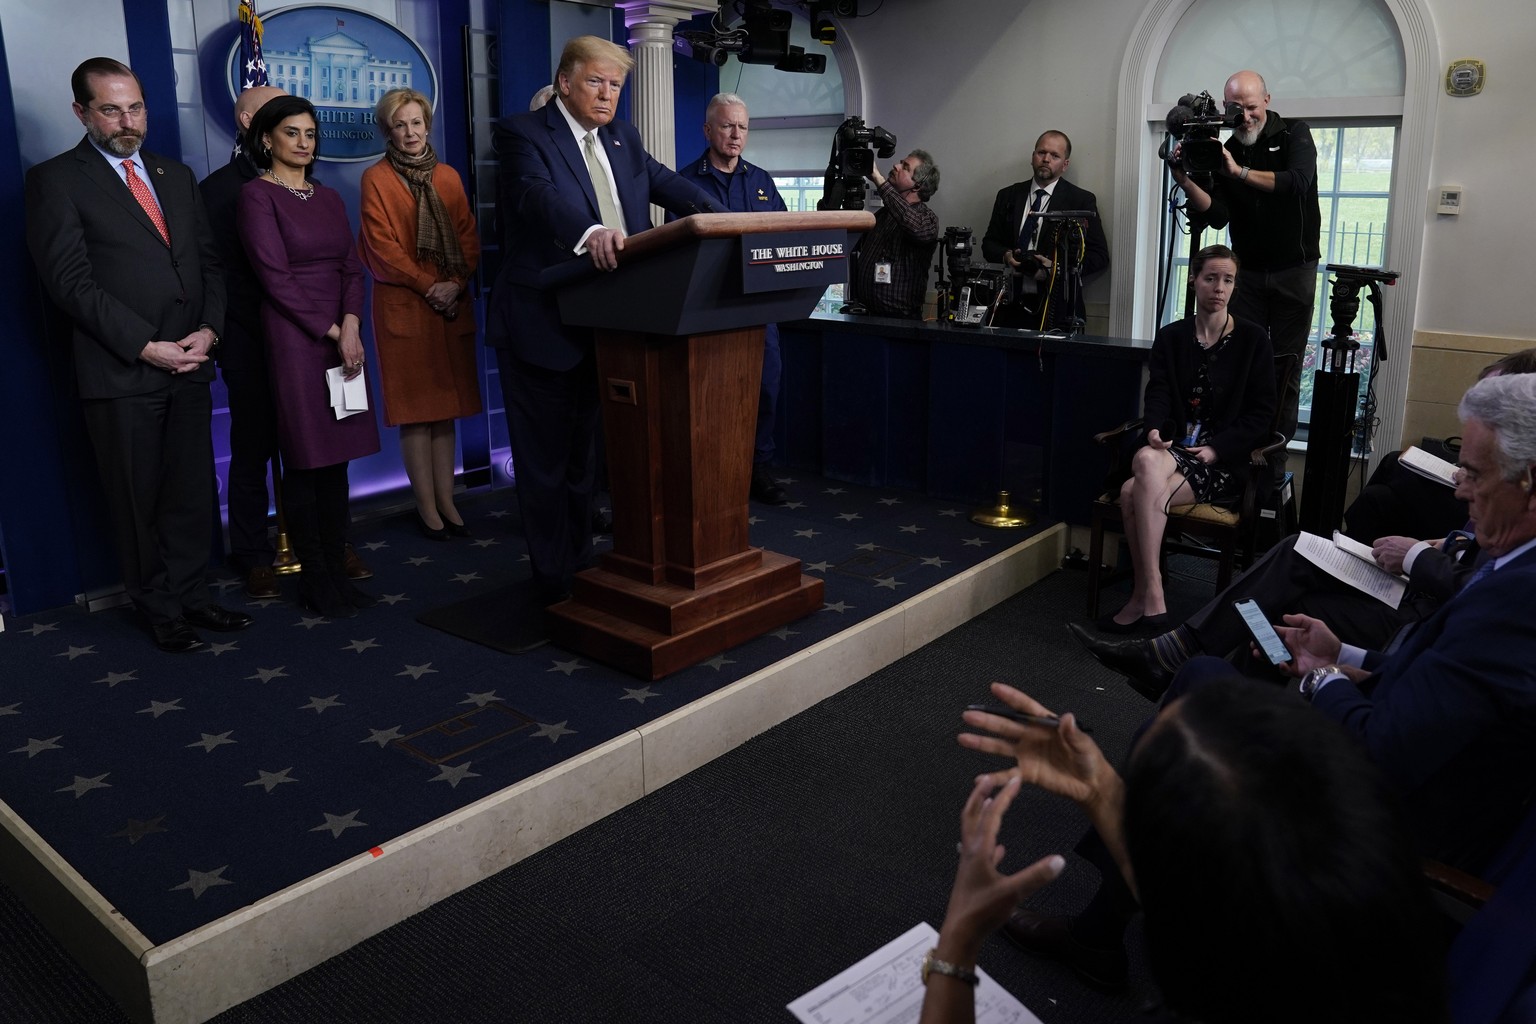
146	199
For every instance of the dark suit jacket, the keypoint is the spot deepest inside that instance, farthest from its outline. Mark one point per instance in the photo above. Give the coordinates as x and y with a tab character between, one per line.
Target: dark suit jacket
242	347
1451	716
1012	205
104	263
545	202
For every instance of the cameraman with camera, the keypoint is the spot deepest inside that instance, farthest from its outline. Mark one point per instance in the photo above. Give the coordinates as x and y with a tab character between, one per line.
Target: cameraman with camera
1033	246
1266	187
890	270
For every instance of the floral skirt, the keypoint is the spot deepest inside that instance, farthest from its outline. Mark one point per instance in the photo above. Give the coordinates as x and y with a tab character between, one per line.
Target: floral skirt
1212	484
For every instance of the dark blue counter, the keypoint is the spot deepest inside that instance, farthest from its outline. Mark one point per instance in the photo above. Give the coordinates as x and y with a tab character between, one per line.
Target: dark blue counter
953	412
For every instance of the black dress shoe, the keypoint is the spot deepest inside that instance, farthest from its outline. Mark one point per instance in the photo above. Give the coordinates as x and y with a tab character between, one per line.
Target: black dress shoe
1133	659
176	637
454	529
441	533
1052	937
765	489
220	620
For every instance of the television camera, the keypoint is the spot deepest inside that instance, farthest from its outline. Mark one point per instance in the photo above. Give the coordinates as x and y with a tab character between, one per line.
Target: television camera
1195	125
854	148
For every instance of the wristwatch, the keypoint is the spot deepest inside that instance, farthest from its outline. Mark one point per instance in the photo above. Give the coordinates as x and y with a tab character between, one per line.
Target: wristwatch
209	328
1313	679
933	965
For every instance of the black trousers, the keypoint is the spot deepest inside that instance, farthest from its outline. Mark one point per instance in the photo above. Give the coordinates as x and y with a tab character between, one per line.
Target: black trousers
252	446
1280	301
552	419
155	456
1284	582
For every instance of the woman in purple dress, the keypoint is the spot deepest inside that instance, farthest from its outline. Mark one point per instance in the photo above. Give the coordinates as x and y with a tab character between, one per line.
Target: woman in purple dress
300	245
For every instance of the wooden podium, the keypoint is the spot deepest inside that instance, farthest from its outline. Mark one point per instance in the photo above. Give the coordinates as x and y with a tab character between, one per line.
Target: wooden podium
679	361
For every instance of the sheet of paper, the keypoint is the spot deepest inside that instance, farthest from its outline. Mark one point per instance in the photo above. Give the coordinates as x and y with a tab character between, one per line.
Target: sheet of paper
1429	466
348	397
886	987
1364	576
1354	547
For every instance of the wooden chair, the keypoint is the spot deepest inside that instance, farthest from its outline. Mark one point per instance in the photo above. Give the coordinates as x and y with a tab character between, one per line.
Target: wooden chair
1225	535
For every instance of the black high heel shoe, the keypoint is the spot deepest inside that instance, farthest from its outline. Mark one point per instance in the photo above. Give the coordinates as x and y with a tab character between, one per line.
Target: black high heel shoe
454	529
427	531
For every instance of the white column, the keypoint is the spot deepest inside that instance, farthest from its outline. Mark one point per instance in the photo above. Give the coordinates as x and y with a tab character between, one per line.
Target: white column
650	24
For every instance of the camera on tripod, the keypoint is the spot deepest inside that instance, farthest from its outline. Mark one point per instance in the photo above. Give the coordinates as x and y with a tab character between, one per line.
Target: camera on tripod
1196	125
854	147
967	290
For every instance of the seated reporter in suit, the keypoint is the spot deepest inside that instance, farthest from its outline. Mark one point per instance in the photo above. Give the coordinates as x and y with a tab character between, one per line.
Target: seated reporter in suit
1449	717
419	242
122	243
301	250
572	184
1034	248
1284	581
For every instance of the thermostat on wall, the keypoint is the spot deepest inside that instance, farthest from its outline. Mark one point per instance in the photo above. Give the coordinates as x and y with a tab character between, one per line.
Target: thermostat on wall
1450	199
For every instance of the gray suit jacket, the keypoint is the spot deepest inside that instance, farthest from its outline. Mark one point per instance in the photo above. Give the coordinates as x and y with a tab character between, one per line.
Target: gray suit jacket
103	262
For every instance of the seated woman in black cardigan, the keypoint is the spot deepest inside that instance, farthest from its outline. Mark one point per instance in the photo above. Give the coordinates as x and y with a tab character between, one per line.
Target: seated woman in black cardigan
1210	401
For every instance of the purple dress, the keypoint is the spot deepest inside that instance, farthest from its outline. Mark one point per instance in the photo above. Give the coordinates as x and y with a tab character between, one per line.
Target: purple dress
303	255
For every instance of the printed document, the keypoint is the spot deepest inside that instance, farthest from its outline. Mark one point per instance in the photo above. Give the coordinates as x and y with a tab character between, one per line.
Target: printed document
886	987
1343	559
1429	466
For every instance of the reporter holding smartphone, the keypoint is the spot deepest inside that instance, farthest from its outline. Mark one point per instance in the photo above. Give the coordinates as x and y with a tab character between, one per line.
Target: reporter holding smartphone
1210	400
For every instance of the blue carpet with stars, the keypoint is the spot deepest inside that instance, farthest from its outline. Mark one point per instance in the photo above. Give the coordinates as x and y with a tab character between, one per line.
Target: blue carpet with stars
183	788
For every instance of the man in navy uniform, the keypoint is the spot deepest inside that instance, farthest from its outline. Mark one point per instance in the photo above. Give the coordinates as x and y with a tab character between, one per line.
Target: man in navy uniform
744	188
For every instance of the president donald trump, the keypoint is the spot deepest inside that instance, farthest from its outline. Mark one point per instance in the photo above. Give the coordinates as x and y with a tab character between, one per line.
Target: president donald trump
572	184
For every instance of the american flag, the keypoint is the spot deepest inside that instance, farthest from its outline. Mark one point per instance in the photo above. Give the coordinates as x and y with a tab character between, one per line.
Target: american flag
251	60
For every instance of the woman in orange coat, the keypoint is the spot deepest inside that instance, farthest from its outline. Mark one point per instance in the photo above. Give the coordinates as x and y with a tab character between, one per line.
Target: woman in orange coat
419	241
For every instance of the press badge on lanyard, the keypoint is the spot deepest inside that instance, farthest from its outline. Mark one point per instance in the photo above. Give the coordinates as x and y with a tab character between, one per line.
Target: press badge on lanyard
882	273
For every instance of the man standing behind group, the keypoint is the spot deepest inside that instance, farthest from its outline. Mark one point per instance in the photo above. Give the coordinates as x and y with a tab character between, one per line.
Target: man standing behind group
243	358
1267	191
123	246
571	182
1031	245
890	268
744	188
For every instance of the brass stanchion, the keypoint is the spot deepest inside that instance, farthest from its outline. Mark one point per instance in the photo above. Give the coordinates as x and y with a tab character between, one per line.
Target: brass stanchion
285	562
1003	515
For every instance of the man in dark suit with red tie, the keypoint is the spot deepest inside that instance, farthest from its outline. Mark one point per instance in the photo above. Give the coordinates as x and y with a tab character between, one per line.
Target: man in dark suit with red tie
123	247
1041	249
572	184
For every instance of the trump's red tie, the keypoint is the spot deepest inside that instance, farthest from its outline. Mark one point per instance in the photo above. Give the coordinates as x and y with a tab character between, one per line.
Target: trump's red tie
146	199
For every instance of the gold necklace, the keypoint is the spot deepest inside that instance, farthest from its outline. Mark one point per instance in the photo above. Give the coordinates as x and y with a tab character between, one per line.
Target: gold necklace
303	194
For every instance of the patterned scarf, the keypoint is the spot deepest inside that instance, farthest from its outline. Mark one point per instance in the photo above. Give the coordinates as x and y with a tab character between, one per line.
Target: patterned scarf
436	239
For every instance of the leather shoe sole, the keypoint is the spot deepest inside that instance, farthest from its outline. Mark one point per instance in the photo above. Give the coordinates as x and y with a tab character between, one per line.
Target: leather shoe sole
1051	937
220	620
177	637
261	583
1131	658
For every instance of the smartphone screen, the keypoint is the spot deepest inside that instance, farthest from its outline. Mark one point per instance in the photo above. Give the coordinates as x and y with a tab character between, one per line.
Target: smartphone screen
1262	632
